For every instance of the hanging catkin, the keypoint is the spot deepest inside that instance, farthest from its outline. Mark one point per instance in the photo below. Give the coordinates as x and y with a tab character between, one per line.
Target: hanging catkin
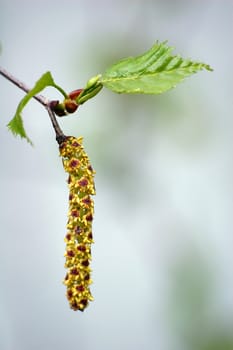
79	226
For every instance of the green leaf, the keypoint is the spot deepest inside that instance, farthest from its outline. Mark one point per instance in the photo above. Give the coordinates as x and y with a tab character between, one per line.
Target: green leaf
17	128
16	124
45	81
153	72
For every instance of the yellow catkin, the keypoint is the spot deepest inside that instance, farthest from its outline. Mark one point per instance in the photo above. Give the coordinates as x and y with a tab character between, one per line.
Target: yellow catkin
79	226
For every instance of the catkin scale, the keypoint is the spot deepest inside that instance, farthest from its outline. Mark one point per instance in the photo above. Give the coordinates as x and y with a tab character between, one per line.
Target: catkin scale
79	226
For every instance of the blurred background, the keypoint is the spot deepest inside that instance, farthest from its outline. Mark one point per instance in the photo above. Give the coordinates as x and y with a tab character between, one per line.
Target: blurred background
162	259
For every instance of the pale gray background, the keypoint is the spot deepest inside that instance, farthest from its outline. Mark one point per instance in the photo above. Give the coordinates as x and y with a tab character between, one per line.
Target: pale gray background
162	261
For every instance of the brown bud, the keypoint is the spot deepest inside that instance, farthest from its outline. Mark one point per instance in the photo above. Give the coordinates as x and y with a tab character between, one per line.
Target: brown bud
59	109
70	106
74	94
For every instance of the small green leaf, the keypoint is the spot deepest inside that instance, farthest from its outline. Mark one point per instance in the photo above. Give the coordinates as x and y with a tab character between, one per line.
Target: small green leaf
16	124
17	128
45	81
153	72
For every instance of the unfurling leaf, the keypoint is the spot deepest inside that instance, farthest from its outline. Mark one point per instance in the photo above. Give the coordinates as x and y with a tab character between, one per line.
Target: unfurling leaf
16	124
92	88
153	72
